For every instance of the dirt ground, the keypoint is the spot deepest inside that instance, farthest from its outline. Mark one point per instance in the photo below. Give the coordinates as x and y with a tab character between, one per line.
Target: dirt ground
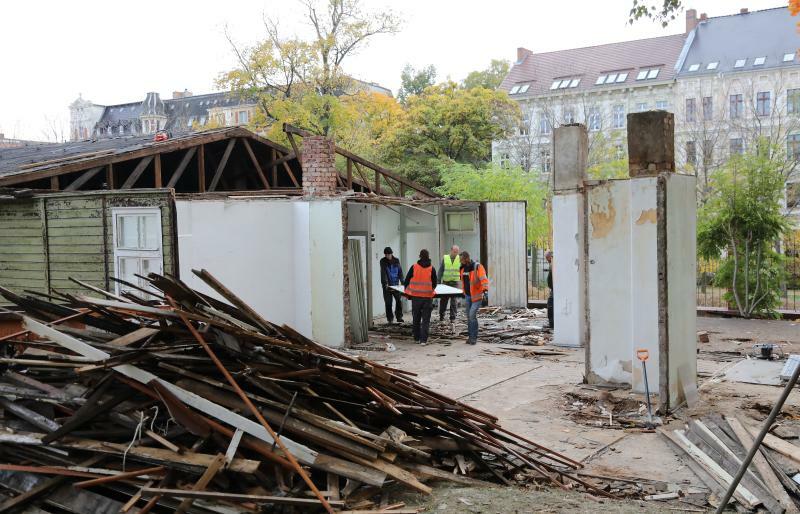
528	394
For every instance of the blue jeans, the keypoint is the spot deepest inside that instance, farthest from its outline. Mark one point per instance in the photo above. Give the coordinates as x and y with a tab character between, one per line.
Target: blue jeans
472	318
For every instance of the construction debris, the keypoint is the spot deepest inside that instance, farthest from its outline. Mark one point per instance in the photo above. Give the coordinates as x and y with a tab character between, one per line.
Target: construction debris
601	408
715	447
172	398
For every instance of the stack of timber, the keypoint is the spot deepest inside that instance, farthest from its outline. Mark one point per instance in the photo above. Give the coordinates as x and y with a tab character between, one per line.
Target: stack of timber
166	398
714	448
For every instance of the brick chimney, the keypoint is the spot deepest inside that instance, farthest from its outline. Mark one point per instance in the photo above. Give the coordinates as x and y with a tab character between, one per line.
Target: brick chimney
651	143
744	10
703	17
319	166
691	19
181	94
522	53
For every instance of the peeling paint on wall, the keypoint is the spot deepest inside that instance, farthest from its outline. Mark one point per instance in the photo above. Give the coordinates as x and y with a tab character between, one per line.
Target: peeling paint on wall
603	214
647	216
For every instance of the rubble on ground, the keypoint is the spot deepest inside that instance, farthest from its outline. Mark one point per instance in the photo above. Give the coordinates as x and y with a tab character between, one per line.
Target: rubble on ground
176	400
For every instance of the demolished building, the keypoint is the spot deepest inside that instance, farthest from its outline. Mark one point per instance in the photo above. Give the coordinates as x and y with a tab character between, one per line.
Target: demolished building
297	236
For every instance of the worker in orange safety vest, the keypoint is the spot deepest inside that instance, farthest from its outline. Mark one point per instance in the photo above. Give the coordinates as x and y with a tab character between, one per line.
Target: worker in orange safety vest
420	286
475	284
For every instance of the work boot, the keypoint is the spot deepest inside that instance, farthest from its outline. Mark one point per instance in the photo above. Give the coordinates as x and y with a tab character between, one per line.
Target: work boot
399	320
422	343
472	341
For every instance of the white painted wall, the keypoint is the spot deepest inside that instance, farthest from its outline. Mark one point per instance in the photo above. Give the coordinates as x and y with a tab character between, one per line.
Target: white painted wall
681	295
466	241
568	270
385	228
644	280
609	279
263	250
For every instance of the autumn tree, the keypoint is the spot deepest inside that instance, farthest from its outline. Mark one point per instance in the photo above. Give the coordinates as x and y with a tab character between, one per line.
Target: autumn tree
450	123
414	82
301	79
489	78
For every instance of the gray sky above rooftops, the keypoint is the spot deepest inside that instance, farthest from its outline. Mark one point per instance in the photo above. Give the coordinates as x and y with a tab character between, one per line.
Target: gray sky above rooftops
115	52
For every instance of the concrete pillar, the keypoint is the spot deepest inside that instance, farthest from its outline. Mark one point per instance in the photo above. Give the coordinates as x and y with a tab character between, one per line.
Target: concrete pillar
570	153
651	143
319	166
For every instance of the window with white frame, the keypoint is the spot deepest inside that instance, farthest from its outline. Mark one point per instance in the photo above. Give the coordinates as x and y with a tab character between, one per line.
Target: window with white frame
618	116
593	118
641	106
137	245
546	160
662	105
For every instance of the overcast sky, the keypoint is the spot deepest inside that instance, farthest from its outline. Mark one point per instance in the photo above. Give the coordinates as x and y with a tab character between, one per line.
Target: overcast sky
116	51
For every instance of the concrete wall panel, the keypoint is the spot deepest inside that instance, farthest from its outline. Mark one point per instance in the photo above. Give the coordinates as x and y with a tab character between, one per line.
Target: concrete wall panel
506	252
569	273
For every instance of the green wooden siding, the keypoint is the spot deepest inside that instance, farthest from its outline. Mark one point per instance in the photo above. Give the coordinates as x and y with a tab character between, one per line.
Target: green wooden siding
79	238
22	256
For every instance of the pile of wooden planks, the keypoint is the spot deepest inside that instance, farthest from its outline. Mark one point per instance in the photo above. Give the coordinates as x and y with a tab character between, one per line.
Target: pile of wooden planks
715	447
170	399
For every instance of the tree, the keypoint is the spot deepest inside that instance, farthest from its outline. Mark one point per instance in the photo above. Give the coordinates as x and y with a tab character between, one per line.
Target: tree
414	82
742	220
490	78
493	183
449	123
302	78
663	13
607	160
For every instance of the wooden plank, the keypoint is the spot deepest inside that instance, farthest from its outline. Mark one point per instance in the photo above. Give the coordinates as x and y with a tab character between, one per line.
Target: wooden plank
207	495
255	163
157	170
394	471
425	472
134	337
137	172
54	183
785	448
762	466
83	179
201	169
119	476
273	166
176	175
221	166
349	174
722	477
32	417
210	472
291	174
304	454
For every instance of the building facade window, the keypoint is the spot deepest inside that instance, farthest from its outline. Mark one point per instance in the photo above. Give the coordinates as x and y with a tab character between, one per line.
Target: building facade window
504	160
525	125
137	245
691	109
793	101
619	150
641	106
736	146
525	161
618	117
544	124
736	106
708	108
593	119
569	116
662	105
242	117
547	162
691	153
792	195
793	146
763	103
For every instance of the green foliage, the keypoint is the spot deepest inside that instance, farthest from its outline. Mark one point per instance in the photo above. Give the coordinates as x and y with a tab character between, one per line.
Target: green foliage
490	78
663	12
493	183
448	122
414	82
741	220
606	161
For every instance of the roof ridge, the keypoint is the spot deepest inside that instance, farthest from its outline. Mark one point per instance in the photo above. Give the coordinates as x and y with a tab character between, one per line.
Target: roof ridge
609	44
743	13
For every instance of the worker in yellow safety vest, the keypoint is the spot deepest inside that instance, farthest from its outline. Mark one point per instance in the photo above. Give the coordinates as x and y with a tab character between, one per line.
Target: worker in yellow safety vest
450	274
420	286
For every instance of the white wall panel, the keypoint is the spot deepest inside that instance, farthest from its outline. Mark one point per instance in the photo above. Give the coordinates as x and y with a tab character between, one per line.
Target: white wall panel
506	253
568	270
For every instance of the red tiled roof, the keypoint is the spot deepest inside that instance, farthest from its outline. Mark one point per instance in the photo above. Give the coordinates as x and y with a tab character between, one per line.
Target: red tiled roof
540	70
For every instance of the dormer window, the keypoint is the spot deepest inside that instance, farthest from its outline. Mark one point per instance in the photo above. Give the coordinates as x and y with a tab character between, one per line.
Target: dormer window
524	88
600	80
694	67
712	65
514	90
740	63
759	61
788	57
574	82
652	73
555	84
647	73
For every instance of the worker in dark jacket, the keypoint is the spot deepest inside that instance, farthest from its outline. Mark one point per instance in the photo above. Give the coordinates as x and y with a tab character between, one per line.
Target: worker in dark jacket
548	255
391	275
420	286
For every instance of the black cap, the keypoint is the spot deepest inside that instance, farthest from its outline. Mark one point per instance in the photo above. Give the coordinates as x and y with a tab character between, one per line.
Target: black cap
388	249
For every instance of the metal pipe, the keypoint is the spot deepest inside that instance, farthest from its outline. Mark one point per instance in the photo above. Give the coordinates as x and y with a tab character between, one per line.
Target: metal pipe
757	443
